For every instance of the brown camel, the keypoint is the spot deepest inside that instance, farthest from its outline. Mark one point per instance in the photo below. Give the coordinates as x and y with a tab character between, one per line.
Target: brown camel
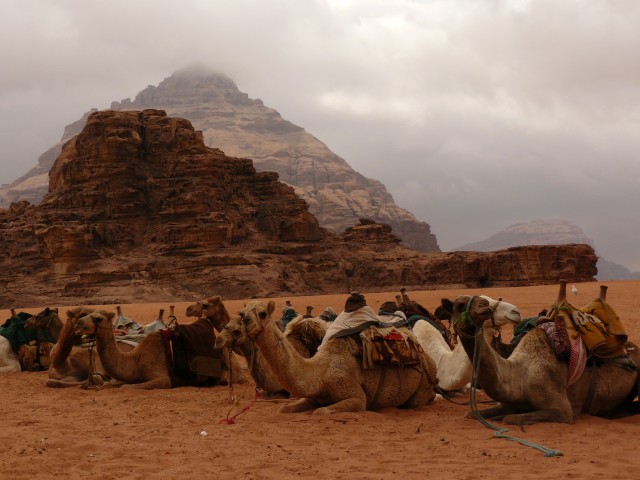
213	309
334	380
147	365
304	334
36	357
71	364
531	385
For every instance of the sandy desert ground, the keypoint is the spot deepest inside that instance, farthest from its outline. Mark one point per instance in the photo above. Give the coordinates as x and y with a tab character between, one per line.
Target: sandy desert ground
111	433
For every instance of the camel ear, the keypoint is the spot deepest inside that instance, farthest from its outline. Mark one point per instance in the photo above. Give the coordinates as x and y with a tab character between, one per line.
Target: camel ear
46	311
215	300
447	305
271	307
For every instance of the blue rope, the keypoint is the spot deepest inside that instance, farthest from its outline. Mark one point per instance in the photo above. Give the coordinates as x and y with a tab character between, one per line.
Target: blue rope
499	431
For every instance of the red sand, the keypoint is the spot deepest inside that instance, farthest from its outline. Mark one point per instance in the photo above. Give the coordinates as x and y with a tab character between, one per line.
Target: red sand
104	434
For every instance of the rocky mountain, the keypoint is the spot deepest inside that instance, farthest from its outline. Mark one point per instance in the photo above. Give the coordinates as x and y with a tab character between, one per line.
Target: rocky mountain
243	127
548	232
139	209
535	232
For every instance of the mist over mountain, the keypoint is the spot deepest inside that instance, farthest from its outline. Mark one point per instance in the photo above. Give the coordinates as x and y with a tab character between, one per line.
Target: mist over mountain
244	127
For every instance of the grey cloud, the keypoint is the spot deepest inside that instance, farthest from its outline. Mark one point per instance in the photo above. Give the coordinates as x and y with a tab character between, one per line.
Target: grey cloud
475	115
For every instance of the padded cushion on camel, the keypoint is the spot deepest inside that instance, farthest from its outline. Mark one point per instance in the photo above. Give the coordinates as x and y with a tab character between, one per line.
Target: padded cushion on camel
614	339
194	359
604	340
389	346
14	331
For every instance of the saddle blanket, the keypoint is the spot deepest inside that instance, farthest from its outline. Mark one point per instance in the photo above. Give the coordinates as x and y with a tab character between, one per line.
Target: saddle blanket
390	346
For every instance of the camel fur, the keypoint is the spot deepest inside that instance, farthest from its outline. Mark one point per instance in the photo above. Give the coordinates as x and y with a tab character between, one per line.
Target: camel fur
334	380
27	357
305	335
71	364
144	367
531	385
454	367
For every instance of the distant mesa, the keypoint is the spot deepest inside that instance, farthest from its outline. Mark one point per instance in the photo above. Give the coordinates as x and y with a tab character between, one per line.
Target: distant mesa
245	128
548	232
139	209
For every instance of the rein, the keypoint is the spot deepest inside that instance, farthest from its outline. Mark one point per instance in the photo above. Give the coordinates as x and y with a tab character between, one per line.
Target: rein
500	432
235	400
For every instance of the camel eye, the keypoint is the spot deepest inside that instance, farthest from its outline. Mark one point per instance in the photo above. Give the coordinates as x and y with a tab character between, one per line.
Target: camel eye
262	315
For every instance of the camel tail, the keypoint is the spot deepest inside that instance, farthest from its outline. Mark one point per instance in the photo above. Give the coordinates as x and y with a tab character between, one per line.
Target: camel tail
603	292
562	292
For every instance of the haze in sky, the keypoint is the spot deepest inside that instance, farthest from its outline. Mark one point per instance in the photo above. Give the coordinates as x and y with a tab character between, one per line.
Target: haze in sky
475	114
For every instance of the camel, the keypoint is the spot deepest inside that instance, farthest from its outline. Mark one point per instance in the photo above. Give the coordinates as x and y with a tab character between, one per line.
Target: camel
454	367
531	385
30	357
334	380
147	365
305	335
71	364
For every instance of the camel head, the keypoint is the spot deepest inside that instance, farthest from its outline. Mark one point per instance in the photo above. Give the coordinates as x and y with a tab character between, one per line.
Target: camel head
468	311
89	324
256	315
232	334
211	307
503	312
43	319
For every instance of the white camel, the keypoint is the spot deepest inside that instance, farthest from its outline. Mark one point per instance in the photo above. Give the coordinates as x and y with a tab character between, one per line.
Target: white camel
454	367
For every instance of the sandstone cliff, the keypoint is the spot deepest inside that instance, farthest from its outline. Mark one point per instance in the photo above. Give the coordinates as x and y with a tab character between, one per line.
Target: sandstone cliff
243	127
140	210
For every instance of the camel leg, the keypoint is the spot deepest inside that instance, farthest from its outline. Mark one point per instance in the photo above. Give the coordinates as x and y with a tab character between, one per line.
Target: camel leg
346	405
302	405
53	383
424	394
496	413
160	382
548	415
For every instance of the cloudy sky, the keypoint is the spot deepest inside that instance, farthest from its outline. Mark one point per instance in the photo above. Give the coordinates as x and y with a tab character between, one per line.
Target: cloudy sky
476	114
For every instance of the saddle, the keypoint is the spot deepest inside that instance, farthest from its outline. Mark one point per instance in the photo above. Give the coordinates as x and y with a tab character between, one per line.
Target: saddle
191	356
391	346
597	325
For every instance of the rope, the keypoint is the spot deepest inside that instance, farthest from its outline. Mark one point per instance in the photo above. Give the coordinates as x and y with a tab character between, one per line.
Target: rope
235	400
232	420
499	431
92	366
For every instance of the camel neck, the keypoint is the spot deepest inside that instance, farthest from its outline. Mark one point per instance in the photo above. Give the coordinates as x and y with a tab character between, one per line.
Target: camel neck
66	339
488	359
296	373
110	355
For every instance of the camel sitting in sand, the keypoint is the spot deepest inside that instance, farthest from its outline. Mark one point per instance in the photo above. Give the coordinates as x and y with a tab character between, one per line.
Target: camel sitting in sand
70	363
305	335
147	366
531	385
334	380
29	351
454	367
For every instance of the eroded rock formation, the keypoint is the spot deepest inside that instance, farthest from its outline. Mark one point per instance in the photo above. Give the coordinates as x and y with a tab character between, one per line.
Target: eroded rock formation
243	127
139	209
